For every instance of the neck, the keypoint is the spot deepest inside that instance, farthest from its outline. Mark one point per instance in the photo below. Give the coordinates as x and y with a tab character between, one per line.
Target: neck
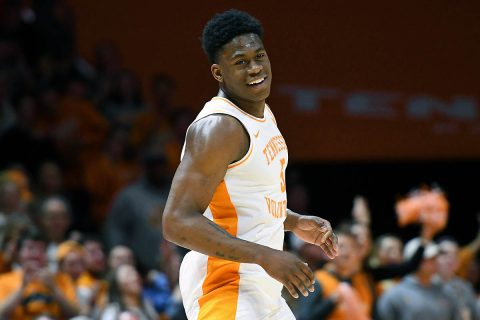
424	279
255	108
131	300
446	276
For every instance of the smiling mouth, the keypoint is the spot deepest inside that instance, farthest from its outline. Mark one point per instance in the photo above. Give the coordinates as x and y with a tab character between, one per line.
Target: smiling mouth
257	82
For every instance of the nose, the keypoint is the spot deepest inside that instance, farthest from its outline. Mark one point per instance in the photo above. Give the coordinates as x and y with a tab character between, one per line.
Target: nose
254	68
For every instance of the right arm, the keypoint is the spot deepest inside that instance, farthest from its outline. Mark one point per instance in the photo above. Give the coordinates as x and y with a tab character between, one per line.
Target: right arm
212	144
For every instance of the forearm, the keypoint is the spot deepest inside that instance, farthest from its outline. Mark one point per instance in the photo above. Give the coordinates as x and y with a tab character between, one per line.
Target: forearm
200	234
7	307
291	220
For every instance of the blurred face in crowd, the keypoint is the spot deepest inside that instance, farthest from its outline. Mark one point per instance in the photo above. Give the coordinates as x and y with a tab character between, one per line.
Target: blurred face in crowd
32	254
389	251
55	220
428	267
348	259
364	239
73	264
129	281
10	198
120	255
447	260
94	257
50	178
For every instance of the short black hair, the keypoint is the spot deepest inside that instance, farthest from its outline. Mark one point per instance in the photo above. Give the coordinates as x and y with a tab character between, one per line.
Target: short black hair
32	234
225	26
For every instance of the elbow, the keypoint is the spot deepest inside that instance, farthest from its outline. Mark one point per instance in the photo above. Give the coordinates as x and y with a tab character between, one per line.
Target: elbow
170	227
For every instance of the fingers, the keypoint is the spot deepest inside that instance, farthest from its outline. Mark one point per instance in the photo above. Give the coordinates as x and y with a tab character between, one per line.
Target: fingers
301	281
330	246
291	289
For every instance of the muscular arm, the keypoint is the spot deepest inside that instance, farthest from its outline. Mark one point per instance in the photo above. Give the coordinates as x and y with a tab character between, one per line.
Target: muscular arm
212	144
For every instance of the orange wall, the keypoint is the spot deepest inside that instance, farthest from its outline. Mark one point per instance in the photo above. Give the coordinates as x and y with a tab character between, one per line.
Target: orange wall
355	51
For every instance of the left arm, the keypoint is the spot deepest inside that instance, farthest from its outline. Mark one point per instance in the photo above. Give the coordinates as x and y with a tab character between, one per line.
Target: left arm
314	230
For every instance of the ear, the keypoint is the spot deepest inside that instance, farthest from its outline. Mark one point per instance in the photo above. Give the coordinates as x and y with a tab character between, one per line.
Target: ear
217	72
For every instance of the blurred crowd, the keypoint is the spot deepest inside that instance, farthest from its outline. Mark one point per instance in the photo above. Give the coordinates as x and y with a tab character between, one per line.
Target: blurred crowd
429	277
86	163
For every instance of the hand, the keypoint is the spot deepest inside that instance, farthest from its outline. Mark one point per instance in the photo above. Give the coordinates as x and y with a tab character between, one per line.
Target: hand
317	231
293	273
46	277
31	271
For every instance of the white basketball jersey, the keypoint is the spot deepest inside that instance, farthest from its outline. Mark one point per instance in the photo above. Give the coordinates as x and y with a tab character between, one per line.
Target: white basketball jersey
250	203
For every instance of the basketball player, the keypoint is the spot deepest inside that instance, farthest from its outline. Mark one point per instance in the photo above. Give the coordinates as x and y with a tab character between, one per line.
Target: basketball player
228	201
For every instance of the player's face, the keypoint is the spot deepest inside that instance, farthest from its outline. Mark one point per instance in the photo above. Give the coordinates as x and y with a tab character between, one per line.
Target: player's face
243	69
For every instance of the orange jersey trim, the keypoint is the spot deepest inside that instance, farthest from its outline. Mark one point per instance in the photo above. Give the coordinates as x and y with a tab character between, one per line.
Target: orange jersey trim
271	113
245	158
220	287
245	113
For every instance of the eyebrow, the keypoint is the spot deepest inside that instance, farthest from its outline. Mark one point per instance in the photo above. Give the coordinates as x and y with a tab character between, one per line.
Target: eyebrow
241	53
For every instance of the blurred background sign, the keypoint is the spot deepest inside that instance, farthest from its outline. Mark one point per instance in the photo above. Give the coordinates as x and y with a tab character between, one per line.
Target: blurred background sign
352	82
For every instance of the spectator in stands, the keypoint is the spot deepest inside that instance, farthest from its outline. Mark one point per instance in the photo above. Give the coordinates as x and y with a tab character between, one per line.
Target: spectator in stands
120	255
134	220
71	259
32	290
117	167
125	101
342	292
156	286
55	221
155	122
13	210
417	296
387	252
125	296
460	291
91	286
50	183
24	142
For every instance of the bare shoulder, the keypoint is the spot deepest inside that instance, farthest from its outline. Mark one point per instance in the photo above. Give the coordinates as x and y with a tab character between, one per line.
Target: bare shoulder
215	138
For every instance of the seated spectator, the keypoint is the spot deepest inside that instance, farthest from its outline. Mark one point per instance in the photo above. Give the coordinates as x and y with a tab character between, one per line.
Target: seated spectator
155	122
55	221
91	287
460	291
125	101
50	183
32	290
117	167
13	210
120	255
125	296
136	213
417	296
156	286
71	259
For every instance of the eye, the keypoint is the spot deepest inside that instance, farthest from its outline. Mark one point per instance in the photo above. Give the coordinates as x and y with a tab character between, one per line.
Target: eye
240	62
261	55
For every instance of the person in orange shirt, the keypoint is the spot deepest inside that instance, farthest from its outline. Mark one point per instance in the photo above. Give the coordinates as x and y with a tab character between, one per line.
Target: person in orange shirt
342	289
31	290
92	288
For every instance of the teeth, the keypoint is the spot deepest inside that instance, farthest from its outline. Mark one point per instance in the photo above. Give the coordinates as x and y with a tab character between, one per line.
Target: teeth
257	81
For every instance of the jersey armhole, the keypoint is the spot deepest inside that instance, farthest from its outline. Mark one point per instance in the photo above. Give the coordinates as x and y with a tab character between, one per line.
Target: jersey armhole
250	143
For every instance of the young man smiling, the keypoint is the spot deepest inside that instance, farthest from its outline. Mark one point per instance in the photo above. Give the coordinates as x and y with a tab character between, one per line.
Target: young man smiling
228	201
